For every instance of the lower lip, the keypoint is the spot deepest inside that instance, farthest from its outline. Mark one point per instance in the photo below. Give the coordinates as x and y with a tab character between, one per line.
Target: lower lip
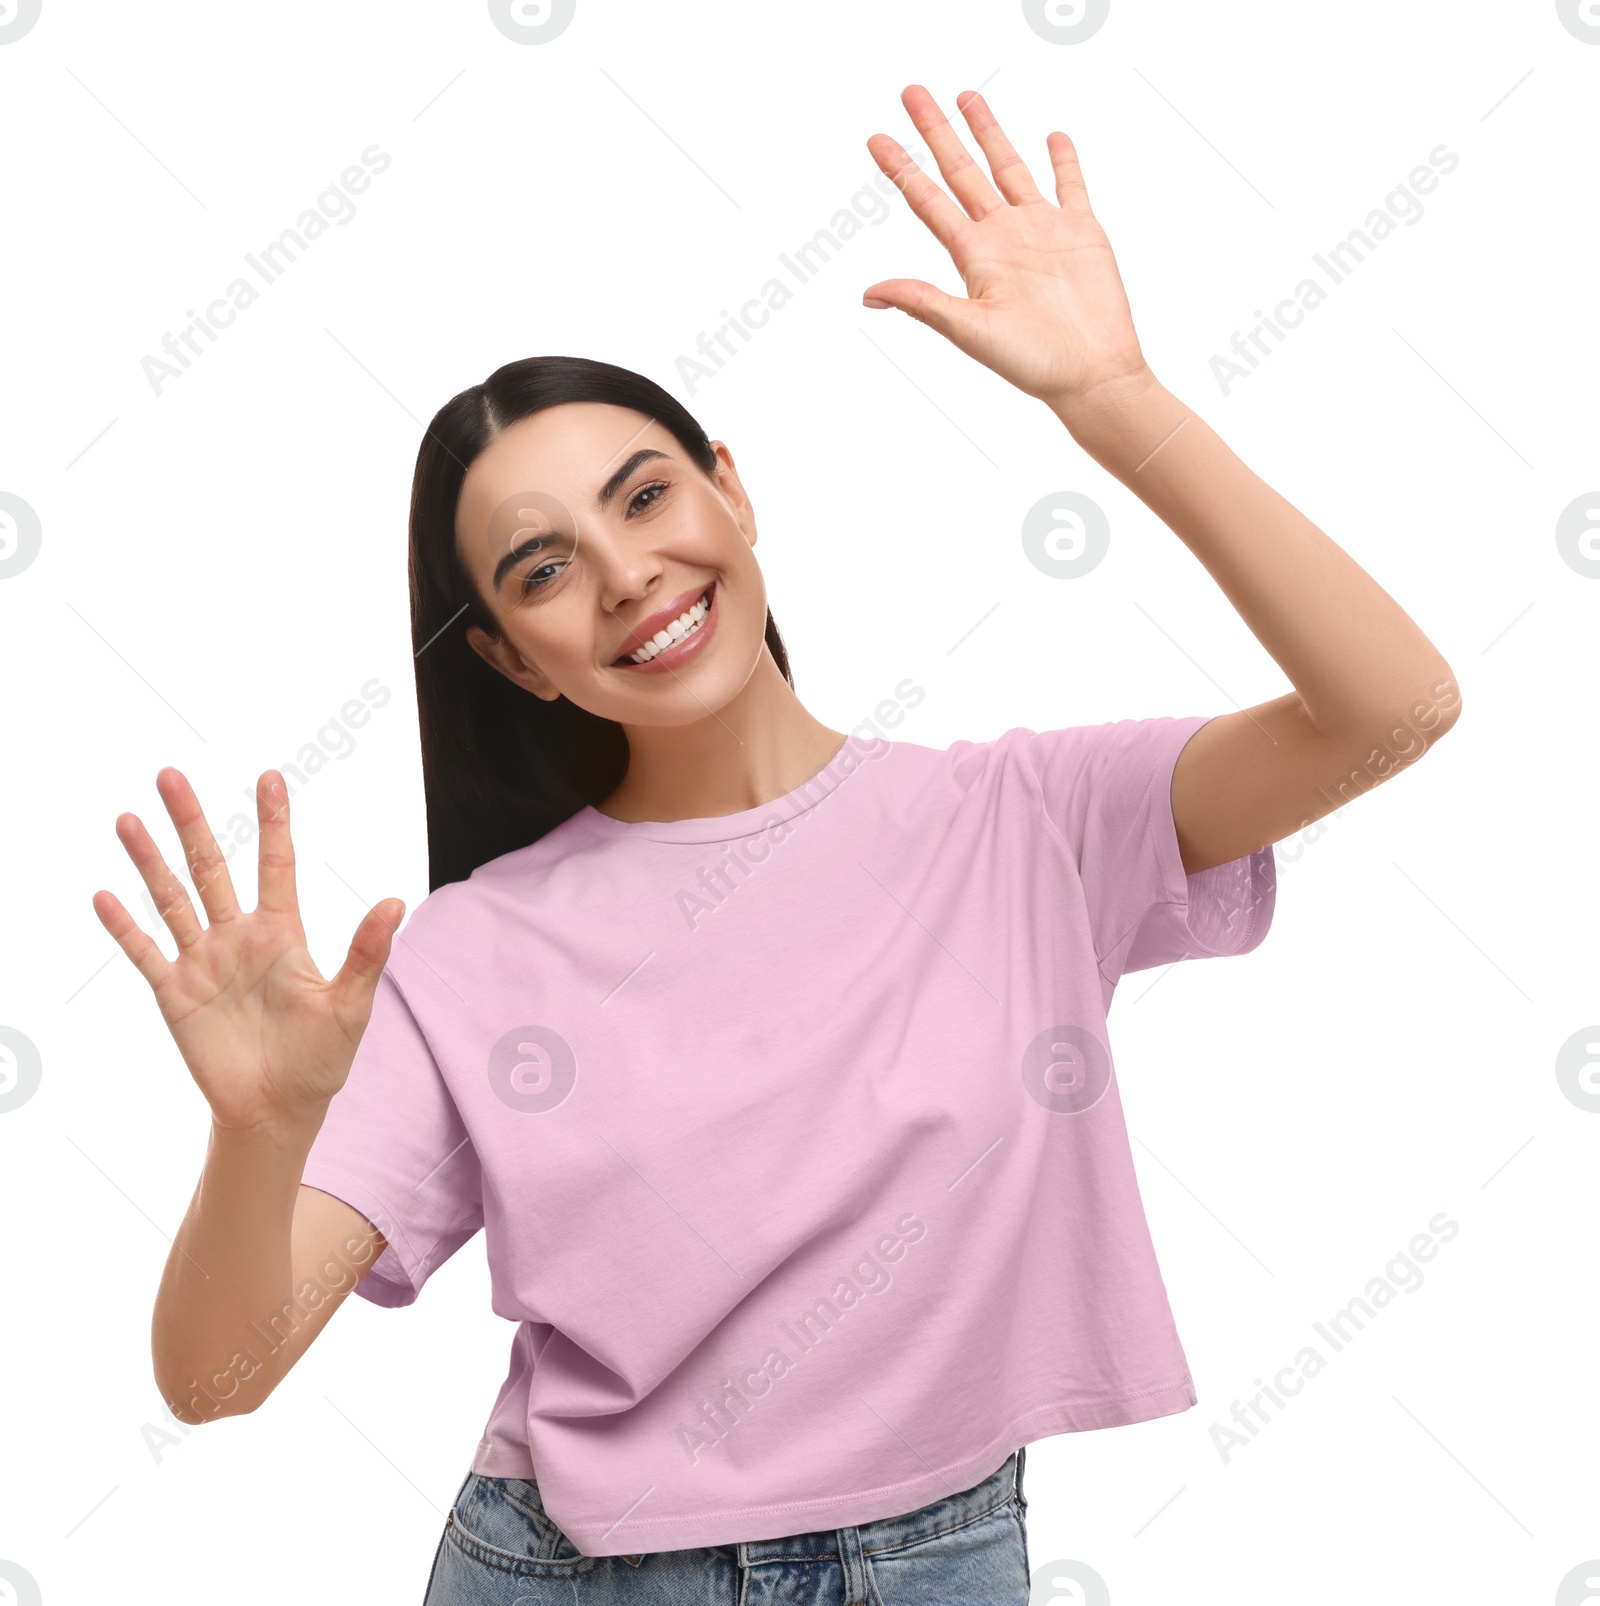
680	652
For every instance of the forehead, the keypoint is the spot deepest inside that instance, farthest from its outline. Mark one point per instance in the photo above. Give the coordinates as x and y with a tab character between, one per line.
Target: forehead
563	454
566	451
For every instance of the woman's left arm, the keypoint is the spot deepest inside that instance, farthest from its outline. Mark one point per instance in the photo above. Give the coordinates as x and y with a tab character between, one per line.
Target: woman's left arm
1371	692
1047	311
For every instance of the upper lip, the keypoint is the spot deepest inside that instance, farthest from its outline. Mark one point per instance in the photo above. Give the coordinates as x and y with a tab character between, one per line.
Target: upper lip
658	621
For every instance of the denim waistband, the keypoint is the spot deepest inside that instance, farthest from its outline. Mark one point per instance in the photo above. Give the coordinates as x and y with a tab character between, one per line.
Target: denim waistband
889	1533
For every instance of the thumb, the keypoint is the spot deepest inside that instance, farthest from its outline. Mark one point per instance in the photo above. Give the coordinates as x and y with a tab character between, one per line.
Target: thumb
925	302
369	952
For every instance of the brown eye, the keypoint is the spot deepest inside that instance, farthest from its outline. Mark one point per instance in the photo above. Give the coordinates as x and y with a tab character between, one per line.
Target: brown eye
531	581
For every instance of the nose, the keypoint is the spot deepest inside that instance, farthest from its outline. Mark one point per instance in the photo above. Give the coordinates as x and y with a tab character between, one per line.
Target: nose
625	569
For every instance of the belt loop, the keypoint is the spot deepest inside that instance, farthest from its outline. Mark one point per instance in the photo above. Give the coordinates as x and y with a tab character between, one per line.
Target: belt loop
1022	1461
855	1571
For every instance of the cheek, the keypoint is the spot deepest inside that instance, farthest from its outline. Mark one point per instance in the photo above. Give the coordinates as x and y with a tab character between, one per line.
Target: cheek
557	638
575	648
752	593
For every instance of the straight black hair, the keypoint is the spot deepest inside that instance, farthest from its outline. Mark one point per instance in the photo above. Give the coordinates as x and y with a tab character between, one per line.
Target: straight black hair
501	767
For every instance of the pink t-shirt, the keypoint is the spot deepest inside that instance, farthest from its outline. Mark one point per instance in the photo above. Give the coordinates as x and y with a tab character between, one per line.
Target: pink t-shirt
793	1133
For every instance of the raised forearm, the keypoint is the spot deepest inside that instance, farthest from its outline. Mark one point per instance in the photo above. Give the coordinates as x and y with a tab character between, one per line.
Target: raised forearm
230	1272
1351	652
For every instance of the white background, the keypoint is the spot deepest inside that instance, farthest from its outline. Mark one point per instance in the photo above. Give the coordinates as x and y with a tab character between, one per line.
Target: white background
223	566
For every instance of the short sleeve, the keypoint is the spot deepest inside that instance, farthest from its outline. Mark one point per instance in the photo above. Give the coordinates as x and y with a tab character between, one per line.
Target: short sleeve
392	1146
1108	790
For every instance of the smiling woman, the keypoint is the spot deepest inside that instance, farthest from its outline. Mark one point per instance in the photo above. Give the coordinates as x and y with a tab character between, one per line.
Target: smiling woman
674	1134
567	515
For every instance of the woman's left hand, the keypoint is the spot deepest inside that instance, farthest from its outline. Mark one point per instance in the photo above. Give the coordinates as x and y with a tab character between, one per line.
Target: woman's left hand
1045	307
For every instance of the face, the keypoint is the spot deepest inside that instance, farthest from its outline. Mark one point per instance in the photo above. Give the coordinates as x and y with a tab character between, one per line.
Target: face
589	532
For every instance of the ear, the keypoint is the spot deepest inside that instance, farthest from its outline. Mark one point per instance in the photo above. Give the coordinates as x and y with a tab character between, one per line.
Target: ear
499	654
733	490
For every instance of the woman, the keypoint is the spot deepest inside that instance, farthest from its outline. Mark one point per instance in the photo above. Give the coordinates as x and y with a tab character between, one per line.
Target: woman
772	1061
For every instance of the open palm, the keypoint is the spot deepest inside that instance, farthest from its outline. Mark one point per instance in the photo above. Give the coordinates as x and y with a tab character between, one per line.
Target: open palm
1045	307
265	1036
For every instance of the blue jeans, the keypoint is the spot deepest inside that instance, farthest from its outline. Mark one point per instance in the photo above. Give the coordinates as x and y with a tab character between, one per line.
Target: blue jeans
500	1549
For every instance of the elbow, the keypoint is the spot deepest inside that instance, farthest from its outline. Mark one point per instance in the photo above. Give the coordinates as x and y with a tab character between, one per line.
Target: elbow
1396	736
191	1408
195	1409
1411	717
193	1404
182	1411
1443	700
1425	717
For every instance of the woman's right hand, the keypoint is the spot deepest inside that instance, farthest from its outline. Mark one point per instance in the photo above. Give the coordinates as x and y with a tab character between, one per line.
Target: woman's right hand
266	1038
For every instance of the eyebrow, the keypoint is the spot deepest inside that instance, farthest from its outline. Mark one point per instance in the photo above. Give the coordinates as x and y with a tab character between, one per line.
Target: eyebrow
602	500
617	480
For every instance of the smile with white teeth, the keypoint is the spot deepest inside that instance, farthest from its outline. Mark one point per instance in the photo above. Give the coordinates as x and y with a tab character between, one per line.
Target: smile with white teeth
684	625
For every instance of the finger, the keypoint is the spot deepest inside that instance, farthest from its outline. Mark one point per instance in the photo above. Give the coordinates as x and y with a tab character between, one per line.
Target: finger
925	302
963	175
168	893
357	978
1071	191
943	217
1010	171
275	889
207	868
147	958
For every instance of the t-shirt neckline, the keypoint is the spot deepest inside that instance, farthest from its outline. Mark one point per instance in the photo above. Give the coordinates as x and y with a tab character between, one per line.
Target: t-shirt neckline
852	752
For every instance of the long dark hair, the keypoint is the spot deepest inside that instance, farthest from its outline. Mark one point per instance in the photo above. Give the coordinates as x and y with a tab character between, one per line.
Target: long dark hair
501	767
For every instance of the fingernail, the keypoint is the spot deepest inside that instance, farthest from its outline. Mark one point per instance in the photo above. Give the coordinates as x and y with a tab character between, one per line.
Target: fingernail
872	301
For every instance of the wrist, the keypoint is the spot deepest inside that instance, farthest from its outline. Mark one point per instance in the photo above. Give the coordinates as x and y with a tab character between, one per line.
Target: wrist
287	1130
1107	401
1122	421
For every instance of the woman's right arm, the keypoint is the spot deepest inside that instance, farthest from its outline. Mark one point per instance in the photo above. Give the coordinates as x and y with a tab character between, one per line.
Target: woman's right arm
261	1261
259	1265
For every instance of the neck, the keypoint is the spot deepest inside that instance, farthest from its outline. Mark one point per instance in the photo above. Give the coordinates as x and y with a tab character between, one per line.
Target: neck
753	749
